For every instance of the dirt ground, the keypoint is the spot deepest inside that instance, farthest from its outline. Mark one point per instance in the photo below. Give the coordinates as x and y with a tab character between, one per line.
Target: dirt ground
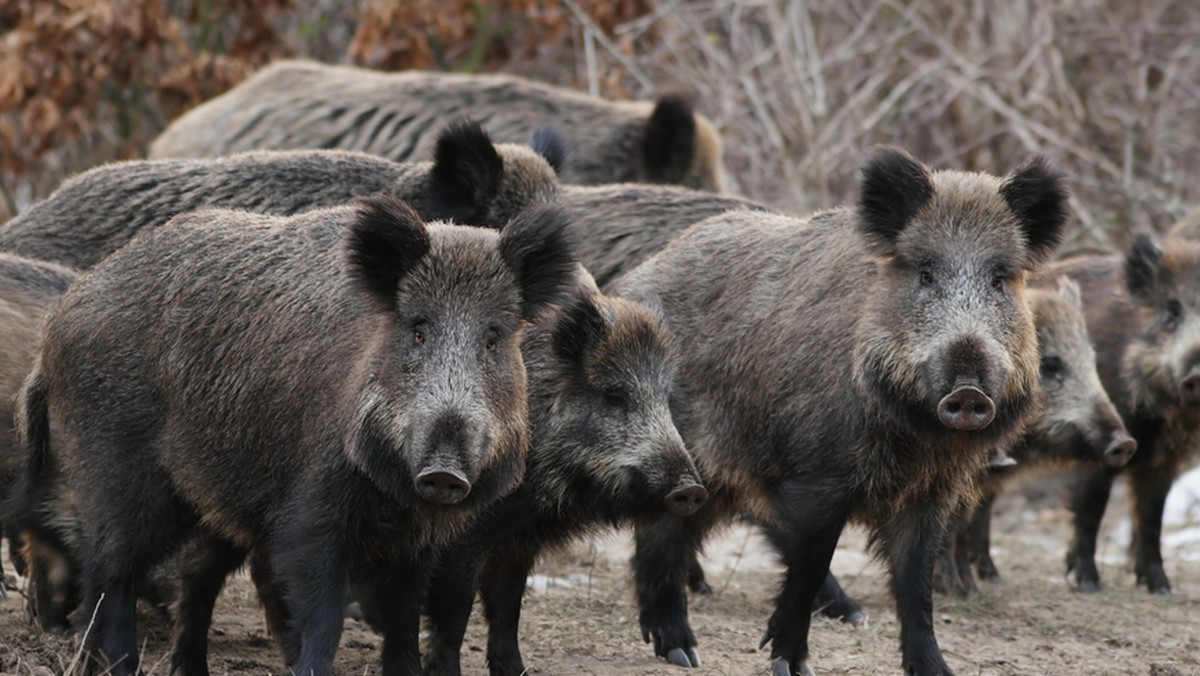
579	616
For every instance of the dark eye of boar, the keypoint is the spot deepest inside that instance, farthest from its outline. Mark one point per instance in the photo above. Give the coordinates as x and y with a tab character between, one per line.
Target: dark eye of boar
616	399
926	277
1174	314
491	341
419	333
997	282
1052	367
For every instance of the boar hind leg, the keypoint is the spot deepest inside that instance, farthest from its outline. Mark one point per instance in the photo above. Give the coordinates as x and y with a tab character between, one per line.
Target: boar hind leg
274	607
397	589
1088	500
448	604
503	587
979	541
110	609
696	581
911	541
665	549
202	578
806	553
1150	487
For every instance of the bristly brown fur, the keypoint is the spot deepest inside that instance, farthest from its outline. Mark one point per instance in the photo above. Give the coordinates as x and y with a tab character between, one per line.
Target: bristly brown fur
473	182
395	115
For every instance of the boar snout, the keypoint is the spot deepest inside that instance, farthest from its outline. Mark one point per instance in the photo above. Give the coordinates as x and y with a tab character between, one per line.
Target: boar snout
443	485
685	499
966	408
1120	450
1189	387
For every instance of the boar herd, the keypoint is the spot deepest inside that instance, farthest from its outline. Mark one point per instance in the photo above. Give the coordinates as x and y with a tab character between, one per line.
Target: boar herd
387	338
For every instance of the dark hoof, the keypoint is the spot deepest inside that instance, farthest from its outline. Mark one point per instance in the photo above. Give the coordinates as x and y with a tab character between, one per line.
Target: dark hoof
992	579
780	667
701	587
855	618
1089	586
1163	591
681	659
354	611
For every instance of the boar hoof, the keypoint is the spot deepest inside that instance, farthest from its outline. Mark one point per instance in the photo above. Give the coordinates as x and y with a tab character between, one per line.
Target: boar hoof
681	659
354	611
780	667
701	587
1089	586
855	618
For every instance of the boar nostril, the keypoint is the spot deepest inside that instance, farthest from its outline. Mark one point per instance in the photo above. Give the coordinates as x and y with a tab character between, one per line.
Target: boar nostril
966	408
443	486
1120	451
685	500
1189	389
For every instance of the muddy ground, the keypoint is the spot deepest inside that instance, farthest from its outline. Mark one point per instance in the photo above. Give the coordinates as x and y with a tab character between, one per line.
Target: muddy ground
580	619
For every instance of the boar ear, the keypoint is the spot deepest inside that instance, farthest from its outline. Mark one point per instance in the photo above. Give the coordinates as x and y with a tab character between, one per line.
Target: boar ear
466	174
384	243
652	303
894	188
1037	193
580	327
1069	289
669	144
539	246
1142	264
549	142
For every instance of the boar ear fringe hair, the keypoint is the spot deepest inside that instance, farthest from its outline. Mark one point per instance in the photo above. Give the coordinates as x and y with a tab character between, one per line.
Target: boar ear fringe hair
386	241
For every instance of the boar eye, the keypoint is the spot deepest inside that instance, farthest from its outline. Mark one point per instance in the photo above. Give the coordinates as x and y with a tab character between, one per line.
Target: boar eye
1052	367
1174	314
926	277
615	399
418	333
997	282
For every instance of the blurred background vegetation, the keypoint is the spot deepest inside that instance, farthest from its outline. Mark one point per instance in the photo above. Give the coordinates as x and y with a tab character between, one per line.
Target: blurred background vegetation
800	89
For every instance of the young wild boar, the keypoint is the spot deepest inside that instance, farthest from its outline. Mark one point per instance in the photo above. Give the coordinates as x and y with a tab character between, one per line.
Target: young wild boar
27	289
1143	311
304	104
1077	423
338	391
604	451
470	180
860	365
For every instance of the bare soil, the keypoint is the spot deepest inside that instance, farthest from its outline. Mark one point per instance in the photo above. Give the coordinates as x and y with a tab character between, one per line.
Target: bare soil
580	618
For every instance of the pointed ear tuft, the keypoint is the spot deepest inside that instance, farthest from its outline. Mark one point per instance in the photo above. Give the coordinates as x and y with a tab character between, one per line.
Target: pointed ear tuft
540	247
466	176
549	142
894	187
1037	193
384	243
1142	265
580	328
669	144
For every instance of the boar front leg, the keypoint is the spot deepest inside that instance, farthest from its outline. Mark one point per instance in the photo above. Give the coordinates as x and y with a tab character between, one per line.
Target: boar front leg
665	549
503	587
910	541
